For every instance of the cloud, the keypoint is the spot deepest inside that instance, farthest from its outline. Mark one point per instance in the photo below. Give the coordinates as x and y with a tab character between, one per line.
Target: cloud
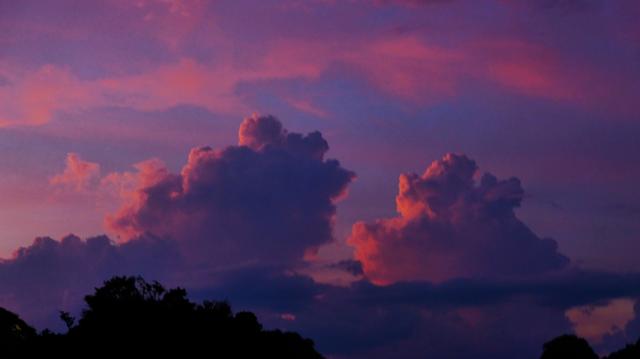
306	106
563	291
620	336
455	319
74	65
271	199
594	321
451	227
566	6
350	266
33	97
412	3
361	320
632	328
49	275
406	67
78	174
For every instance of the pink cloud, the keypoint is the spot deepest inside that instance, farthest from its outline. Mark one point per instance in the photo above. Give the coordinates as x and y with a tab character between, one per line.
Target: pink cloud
450	227
32	98
148	173
532	70
306	106
405	67
269	200
78	174
409	68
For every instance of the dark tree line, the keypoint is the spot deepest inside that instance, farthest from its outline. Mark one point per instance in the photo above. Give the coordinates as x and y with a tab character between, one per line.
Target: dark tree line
573	347
128	316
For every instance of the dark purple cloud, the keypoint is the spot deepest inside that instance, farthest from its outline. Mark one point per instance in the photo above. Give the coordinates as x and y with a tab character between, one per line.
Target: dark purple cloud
455	319
633	327
413	2
49	275
269	200
266	202
567	6
350	266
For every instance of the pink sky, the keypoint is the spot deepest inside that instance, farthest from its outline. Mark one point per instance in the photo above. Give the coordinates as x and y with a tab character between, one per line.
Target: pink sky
101	101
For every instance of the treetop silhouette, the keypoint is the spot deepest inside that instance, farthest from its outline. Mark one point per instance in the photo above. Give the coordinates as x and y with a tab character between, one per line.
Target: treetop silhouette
129	316
573	347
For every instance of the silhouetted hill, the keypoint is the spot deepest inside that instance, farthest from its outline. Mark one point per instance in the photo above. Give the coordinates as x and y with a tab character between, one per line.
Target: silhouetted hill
128	316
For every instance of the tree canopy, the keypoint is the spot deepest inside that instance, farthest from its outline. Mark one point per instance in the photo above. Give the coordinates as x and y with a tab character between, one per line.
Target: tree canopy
573	347
128	316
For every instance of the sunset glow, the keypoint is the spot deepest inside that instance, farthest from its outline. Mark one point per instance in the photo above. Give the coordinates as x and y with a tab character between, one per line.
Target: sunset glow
390	178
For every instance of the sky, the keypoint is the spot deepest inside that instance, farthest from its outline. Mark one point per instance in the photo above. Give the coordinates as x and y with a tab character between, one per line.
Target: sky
387	177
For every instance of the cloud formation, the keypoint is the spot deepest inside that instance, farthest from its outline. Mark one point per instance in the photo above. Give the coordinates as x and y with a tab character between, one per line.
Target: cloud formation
78	173
50	275
620	336
455	319
269	200
361	320
452	227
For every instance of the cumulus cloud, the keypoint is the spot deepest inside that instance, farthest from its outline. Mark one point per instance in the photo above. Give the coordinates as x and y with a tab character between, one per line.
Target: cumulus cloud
78	173
449	226
461	270
269	200
50	275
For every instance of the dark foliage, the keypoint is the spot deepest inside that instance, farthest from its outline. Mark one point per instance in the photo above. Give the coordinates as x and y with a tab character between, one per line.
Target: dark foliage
14	333
568	346
573	347
128	316
629	352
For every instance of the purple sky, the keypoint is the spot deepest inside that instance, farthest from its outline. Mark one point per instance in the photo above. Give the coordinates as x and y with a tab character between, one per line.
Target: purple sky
105	107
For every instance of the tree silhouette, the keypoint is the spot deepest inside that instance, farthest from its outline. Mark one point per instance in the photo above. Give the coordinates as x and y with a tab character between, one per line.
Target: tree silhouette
128	316
631	351
568	347
573	347
15	334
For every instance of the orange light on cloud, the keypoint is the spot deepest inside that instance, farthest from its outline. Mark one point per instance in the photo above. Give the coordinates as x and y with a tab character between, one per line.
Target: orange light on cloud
594	321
